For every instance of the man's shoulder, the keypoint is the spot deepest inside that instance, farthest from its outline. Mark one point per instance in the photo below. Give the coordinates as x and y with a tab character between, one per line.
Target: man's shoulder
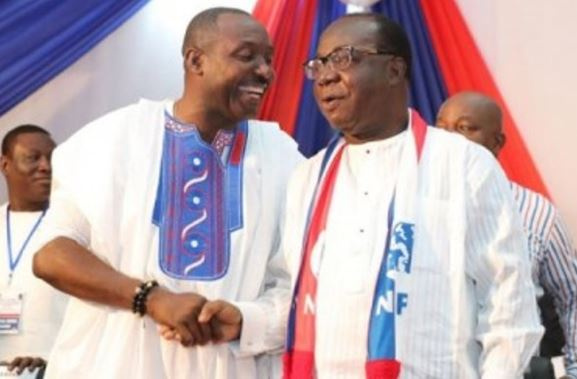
451	148
523	190
448	141
271	139
117	123
451	155
307	171
114	133
117	119
267	130
526	197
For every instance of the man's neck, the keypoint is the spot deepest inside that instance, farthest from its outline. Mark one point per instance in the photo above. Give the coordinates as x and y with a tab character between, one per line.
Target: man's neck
208	123
380	131
16	205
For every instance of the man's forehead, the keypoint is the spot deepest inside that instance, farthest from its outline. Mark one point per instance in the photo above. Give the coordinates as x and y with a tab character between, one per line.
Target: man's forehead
458	109
33	139
353	31
240	28
233	23
463	111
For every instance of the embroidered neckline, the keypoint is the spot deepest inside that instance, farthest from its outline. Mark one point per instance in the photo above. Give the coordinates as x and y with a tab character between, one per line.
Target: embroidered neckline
221	141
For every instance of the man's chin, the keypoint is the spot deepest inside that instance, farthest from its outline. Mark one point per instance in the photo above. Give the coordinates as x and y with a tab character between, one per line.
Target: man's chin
42	194
248	112
338	124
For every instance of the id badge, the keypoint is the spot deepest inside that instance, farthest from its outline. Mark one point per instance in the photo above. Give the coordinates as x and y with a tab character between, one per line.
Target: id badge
11	304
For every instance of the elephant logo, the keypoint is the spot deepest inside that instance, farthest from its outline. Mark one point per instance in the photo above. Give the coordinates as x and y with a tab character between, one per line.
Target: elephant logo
401	248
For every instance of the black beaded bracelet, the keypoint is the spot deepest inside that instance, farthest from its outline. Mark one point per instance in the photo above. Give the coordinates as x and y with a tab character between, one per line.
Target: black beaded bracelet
140	296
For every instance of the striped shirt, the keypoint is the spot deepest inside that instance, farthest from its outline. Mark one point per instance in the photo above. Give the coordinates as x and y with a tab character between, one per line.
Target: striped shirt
470	303
554	263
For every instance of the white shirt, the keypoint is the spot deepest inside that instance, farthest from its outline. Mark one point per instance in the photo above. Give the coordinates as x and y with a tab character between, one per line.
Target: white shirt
353	253
105	183
43	306
471	309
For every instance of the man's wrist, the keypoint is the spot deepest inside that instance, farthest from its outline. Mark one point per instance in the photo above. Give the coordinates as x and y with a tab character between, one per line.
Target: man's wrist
252	328
141	295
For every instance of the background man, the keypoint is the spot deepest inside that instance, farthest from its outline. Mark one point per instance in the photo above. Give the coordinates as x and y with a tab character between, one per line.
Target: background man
413	261
30	310
187	194
553	256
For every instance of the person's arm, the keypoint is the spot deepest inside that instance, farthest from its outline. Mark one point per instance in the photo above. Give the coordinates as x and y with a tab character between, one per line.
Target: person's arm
558	275
73	269
264	320
508	326
255	326
260	324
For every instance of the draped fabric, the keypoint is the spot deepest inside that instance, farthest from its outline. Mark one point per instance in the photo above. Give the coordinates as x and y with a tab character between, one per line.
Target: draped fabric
309	114
446	60
295	26
463	68
39	39
427	87
290	25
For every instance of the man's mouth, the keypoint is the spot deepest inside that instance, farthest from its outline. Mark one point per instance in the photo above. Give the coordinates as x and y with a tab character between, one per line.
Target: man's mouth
330	102
253	91
43	180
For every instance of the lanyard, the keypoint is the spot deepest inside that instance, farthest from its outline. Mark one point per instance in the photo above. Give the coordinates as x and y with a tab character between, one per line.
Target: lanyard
13	261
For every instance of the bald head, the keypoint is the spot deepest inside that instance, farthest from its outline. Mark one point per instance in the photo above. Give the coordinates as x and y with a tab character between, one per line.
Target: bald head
475	116
204	26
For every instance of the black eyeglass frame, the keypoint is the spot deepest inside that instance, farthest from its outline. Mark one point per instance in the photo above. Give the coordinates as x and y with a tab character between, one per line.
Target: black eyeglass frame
313	66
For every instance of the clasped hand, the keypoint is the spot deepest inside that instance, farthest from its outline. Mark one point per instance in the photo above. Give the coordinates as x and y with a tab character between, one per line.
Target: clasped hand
193	320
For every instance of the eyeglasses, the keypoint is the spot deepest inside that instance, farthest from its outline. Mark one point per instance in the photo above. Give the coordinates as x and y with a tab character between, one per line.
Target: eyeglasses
339	59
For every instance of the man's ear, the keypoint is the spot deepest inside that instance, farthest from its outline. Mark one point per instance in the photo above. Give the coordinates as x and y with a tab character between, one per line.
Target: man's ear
500	140
4	164
194	60
397	69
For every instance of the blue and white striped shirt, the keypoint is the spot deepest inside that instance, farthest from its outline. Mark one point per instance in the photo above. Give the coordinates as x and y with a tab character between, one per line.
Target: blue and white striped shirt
554	263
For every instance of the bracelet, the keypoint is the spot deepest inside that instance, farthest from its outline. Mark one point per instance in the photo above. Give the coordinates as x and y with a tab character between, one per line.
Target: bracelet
140	295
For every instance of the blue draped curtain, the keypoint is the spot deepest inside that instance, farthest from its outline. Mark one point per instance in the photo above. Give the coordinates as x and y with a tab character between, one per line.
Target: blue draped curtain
41	38
427	87
312	131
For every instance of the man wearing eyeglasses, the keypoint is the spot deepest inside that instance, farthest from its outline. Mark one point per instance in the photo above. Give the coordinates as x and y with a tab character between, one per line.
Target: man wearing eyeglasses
407	257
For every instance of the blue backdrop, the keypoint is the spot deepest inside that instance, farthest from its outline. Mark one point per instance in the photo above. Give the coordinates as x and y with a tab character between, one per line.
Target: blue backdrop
39	39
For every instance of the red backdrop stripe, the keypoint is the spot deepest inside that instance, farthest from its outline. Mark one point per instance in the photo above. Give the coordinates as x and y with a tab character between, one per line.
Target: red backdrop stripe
463	68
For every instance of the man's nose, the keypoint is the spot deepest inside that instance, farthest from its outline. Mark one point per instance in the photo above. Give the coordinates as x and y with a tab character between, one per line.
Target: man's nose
265	70
326	76
44	164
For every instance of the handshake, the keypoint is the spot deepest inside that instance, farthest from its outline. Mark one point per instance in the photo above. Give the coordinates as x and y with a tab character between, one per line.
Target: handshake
193	320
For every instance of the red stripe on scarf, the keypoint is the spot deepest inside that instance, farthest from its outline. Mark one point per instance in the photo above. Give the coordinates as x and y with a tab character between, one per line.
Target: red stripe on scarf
383	369
299	363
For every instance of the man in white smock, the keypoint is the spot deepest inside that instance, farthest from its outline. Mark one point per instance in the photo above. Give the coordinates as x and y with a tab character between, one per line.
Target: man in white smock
167	213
